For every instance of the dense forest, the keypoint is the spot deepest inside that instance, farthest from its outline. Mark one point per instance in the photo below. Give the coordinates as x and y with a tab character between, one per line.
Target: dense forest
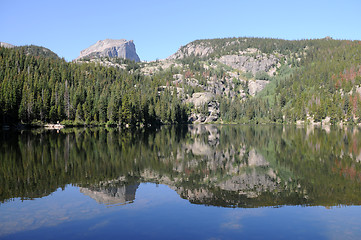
326	84
36	88
314	81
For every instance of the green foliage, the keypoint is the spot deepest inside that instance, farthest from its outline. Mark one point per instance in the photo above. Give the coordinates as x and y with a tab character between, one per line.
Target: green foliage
322	86
47	89
262	75
318	81
248	75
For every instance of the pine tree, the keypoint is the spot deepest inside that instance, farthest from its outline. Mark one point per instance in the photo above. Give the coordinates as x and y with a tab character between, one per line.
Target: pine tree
125	116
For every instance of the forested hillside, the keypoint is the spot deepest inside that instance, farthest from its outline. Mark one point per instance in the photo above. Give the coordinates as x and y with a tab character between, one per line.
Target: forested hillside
36	89
305	80
326	85
231	80
37	51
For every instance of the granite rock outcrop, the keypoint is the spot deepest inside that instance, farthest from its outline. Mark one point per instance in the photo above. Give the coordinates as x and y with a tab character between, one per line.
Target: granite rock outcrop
111	48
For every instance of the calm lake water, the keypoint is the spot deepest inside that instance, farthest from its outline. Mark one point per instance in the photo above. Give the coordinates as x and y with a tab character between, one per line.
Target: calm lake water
192	182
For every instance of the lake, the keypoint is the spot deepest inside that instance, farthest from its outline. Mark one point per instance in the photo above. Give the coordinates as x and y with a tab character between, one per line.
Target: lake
187	182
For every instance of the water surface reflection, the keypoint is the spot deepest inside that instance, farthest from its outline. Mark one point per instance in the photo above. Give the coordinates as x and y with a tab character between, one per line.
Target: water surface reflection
229	166
99	183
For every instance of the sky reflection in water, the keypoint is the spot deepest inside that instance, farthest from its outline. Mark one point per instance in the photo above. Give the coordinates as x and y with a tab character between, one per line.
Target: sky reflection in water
158	212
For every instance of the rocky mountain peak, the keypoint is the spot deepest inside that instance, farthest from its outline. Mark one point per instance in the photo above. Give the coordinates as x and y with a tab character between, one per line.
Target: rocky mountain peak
121	48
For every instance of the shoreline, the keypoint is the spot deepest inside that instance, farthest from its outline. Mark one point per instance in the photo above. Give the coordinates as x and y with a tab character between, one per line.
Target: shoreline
59	126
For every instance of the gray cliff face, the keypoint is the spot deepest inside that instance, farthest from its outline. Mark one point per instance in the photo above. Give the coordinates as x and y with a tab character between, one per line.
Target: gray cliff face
250	63
251	60
111	48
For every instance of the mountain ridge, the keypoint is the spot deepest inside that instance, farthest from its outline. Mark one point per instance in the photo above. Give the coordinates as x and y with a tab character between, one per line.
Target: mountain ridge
32	50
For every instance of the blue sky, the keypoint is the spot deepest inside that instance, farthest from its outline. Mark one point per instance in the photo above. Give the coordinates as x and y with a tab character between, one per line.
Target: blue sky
159	28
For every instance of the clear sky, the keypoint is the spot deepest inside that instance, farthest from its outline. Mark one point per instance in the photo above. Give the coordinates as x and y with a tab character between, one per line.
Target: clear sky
159	28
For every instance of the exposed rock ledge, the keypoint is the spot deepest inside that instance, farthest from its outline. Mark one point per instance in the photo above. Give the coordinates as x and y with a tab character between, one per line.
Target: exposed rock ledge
253	64
256	86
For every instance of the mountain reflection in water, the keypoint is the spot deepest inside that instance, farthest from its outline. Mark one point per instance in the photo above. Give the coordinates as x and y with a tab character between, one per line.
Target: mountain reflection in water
111	195
228	166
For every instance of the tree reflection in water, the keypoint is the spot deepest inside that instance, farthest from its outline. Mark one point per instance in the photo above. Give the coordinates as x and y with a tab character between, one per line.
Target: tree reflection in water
229	166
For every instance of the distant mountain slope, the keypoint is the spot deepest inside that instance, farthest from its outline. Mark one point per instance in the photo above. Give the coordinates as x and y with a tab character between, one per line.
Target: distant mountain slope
211	48
33	50
111	48
39	51
6	45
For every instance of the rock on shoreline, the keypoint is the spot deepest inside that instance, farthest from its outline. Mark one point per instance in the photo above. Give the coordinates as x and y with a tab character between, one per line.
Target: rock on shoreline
57	126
